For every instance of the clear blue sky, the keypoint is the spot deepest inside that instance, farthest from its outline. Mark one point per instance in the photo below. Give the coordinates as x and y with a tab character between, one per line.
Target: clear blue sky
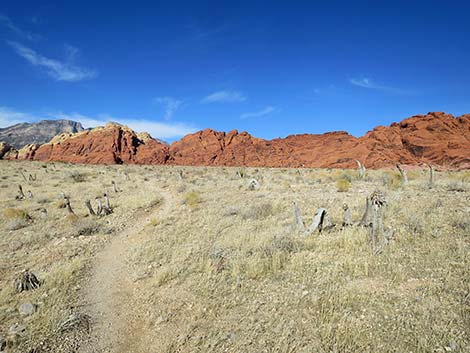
269	67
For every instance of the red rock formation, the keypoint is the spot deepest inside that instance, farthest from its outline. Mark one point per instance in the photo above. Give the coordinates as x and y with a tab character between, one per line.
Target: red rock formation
113	144
435	138
24	153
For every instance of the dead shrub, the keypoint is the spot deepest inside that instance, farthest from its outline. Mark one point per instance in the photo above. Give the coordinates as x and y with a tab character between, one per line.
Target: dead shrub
78	177
260	211
87	228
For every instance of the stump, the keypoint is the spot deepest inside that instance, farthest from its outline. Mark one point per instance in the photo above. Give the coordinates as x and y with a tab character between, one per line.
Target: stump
20	195
26	280
347	217
321	221
367	216
253	184
103	210
299	223
403	174
431	176
107	207
90	208
376	230
361	169
67	205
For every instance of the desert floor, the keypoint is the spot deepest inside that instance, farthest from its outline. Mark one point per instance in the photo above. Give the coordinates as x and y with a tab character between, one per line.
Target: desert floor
191	260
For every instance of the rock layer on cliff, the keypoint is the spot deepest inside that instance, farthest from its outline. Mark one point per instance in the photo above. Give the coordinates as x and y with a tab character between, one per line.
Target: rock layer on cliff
436	138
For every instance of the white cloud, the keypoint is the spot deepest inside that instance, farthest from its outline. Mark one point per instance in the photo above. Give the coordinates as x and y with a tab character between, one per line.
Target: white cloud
161	130
157	129
8	23
10	117
268	110
170	104
224	97
365	82
59	71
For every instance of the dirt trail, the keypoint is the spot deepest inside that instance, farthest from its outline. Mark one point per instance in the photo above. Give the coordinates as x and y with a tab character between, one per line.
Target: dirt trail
110	295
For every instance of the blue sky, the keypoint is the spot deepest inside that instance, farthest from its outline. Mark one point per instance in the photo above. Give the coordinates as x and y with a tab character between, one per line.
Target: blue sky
272	68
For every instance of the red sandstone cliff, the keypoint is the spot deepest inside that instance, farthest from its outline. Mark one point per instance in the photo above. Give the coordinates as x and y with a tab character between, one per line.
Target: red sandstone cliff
113	144
435	138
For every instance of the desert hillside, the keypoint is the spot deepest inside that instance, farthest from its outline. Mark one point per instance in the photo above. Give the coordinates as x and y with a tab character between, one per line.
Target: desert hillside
128	258
436	138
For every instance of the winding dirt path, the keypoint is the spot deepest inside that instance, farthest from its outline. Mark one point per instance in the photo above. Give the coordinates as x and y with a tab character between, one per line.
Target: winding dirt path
114	308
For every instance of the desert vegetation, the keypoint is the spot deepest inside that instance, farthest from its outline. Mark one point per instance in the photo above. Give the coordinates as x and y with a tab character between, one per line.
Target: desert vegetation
219	259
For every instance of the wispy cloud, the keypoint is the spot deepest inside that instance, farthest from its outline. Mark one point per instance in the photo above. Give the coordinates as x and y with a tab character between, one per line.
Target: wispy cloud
224	97
9	116
170	104
161	130
157	129
365	82
58	70
8	23
267	110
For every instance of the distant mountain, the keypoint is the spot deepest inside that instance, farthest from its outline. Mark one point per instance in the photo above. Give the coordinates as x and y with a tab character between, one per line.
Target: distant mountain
38	133
436	138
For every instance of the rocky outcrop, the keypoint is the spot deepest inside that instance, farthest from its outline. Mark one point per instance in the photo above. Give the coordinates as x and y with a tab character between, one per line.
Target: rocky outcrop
435	138
112	144
20	135
4	149
25	153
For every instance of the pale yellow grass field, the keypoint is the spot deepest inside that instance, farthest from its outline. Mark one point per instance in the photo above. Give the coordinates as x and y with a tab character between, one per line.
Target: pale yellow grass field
225	271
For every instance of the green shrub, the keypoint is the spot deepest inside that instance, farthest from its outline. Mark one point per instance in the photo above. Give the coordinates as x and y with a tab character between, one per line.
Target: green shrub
16	213
343	185
192	199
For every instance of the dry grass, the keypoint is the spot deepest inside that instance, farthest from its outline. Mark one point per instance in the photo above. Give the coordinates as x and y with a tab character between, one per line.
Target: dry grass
228	273
343	185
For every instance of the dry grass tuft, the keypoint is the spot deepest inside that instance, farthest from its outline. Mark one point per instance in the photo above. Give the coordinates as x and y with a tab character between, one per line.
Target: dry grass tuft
192	199
343	185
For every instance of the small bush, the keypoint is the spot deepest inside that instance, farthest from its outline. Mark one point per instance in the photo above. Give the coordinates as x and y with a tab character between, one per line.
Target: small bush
259	211
88	228
343	185
192	199
392	180
42	201
78	177
16	224
456	186
16	213
347	176
16	218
